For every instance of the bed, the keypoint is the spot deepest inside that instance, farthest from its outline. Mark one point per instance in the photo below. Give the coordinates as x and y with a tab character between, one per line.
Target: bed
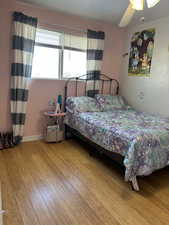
141	139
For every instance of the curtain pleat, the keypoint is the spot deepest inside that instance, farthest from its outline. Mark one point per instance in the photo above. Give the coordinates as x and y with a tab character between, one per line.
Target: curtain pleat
95	48
23	49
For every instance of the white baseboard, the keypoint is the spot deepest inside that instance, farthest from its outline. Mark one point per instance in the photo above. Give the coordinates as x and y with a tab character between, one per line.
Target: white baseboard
32	138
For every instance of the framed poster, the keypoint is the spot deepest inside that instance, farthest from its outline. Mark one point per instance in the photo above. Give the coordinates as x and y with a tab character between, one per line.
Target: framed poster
141	52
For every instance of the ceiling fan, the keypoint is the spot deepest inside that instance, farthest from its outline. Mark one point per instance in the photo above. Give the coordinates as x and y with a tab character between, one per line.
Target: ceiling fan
135	5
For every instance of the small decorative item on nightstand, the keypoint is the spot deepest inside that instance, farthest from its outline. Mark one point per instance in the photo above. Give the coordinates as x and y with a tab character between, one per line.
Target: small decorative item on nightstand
54	131
59	104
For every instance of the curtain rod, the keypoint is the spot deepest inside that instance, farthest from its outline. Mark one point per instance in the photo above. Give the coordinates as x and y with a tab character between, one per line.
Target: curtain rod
63	26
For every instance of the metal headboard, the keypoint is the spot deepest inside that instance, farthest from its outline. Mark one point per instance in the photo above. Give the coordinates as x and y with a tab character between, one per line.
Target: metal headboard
103	81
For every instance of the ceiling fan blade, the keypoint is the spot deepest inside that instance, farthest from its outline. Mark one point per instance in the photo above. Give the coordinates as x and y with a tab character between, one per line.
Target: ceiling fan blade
152	3
127	17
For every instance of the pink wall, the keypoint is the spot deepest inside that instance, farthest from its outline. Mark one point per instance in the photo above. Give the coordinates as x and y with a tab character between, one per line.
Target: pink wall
43	90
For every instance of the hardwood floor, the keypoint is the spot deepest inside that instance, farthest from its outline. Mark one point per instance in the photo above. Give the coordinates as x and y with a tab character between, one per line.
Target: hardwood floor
60	184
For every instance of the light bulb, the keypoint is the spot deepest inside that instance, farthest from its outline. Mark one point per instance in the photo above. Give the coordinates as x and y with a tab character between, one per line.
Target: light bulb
137	4
152	3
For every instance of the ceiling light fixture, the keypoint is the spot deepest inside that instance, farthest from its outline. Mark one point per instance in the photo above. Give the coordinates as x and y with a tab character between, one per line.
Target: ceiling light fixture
152	3
133	6
137	4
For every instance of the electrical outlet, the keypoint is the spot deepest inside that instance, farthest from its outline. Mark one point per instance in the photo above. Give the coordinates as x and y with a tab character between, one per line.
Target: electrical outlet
141	95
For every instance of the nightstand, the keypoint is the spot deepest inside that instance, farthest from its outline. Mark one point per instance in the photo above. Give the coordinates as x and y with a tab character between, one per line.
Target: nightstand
54	129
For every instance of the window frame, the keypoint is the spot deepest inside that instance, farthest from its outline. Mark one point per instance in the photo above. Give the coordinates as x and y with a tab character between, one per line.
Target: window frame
76	50
61	57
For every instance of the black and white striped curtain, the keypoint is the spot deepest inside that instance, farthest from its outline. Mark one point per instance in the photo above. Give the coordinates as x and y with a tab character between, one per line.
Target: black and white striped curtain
23	48
95	48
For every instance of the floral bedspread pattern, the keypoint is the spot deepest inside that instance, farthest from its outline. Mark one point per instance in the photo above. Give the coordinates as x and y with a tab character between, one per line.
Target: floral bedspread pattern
110	102
82	104
142	139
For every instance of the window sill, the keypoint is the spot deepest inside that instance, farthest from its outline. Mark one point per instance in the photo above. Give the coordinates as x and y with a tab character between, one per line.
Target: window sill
43	78
54	79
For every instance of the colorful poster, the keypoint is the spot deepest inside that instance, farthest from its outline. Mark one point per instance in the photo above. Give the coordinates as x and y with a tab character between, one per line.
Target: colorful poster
141	52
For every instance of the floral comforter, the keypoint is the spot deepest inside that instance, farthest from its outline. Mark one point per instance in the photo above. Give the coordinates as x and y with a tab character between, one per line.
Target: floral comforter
142	139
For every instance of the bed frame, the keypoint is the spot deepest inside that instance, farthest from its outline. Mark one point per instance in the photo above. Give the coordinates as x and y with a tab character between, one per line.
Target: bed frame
97	85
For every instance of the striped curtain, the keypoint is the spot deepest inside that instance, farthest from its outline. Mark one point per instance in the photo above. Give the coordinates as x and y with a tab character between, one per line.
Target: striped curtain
23	48
95	47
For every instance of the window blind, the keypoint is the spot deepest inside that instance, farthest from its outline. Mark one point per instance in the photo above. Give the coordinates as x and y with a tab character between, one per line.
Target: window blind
59	40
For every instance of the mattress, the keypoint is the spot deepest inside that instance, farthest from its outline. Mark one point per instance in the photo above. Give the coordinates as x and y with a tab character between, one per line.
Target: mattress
142	139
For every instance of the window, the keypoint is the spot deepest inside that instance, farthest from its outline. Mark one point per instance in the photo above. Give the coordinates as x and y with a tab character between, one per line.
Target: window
45	62
74	63
59	55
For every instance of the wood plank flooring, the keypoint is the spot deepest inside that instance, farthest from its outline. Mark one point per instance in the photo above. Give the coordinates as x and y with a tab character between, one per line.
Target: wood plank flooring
60	184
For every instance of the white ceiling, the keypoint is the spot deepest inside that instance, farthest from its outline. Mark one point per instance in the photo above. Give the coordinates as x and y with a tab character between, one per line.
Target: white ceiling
102	10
